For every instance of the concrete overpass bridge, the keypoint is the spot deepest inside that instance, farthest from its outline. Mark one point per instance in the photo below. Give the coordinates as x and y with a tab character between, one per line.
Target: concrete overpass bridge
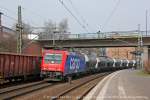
94	40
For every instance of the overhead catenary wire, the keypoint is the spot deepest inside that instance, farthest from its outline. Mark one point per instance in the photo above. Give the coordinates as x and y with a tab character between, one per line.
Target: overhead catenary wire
81	17
106	22
4	8
10	11
13	12
10	17
34	13
112	13
77	20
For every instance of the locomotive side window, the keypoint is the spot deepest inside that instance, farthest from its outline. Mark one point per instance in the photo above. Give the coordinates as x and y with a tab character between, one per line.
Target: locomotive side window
53	58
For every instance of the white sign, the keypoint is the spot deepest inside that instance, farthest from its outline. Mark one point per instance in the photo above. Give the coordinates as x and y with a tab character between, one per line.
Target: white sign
74	63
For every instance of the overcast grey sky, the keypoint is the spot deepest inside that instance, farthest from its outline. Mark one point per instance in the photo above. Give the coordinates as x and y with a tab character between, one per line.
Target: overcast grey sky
126	16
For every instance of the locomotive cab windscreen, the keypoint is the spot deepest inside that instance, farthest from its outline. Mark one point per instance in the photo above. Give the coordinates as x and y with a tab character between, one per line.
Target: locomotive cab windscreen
53	58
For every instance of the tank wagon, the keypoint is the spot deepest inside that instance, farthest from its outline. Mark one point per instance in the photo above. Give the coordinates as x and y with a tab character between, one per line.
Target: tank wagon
16	66
59	64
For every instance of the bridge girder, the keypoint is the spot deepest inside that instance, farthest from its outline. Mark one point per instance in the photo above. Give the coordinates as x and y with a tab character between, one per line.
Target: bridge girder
95	43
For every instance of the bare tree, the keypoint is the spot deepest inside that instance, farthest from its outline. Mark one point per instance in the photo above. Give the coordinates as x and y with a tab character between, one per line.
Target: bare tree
50	28
27	29
63	29
63	26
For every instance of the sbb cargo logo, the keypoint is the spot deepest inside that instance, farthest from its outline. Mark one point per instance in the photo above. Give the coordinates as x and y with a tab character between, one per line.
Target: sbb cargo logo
74	63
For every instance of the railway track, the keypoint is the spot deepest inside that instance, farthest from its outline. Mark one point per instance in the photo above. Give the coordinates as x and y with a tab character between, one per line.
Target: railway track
79	91
8	84
16	91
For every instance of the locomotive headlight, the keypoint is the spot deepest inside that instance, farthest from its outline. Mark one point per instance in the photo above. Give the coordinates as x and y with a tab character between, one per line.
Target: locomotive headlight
52	62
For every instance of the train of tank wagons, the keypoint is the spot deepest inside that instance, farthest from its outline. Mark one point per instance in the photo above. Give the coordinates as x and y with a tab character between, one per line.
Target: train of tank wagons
56	65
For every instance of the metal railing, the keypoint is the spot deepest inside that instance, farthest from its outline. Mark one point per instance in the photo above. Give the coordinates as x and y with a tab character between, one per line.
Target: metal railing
118	34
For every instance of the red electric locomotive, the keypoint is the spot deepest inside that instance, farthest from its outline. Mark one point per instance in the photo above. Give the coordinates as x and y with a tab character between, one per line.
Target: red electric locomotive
58	64
53	63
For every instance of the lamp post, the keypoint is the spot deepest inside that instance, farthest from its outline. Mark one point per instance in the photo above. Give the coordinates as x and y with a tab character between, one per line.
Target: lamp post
140	49
19	29
1	21
146	21
55	31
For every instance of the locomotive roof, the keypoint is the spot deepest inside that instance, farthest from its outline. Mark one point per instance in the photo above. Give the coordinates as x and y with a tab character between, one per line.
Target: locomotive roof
62	51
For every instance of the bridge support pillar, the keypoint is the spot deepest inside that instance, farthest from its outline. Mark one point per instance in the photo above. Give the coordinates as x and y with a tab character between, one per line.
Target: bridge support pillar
146	58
